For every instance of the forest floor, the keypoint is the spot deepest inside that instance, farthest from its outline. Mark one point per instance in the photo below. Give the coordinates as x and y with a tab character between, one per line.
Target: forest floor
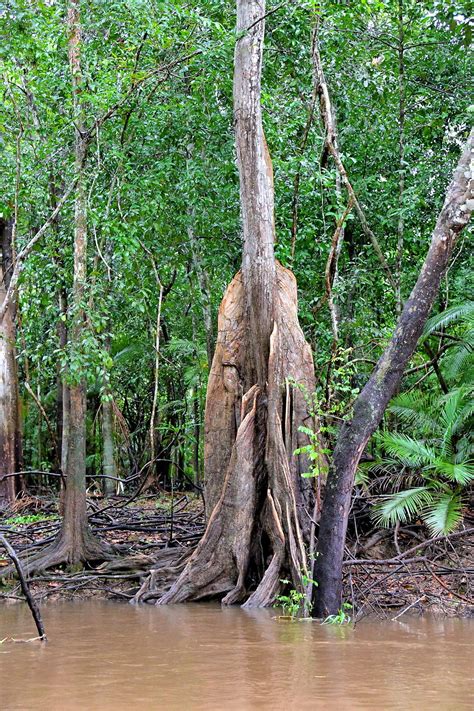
388	572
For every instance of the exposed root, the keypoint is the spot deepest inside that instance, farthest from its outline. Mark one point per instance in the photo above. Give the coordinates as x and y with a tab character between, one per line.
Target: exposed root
63	552
166	568
258	530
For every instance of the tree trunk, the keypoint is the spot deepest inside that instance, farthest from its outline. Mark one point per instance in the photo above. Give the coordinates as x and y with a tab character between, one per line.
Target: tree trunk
10	437
261	508
108	459
75	542
384	381
401	155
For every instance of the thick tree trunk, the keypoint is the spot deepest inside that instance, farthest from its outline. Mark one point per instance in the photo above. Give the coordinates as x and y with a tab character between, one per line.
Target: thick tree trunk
384	381
261	508
10	439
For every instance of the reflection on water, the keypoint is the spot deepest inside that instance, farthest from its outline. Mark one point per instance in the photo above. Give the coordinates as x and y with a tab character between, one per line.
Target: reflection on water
107	656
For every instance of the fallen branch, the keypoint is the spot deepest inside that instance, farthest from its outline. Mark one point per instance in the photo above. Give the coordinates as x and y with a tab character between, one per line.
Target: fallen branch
25	589
402	556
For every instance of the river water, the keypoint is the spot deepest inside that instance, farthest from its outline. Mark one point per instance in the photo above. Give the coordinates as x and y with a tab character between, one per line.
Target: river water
103	655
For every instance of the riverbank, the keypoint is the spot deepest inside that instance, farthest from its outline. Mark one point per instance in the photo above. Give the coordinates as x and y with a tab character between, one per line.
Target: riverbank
388	573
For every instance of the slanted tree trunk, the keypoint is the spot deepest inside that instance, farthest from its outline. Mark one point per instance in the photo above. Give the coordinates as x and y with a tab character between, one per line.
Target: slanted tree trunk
260	508
383	383
10	437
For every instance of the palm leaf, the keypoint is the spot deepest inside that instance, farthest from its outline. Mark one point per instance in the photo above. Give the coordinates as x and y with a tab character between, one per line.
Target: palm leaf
415	410
408	450
401	506
460	472
444	514
458	312
458	363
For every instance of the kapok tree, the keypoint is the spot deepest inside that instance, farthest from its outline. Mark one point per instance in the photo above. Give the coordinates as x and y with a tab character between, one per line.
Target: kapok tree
260	508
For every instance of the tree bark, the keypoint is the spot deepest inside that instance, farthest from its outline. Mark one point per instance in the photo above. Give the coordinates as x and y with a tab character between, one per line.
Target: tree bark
260	507
401	155
10	431
108	459
383	383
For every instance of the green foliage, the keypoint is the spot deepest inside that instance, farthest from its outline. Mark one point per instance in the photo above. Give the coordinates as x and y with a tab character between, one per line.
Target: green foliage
24	520
342	617
441	456
164	164
292	603
295	603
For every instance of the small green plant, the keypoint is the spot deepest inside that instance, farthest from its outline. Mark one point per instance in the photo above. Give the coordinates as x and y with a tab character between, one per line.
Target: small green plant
314	450
342	617
295	602
291	603
28	518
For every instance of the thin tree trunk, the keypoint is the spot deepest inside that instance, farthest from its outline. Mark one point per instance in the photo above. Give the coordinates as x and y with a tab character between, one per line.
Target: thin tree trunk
108	458
75	542
201	273
10	435
329	120
63	396
401	155
383	383
203	282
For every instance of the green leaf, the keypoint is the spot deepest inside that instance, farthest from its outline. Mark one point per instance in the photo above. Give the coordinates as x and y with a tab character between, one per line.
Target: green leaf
444	514
402	506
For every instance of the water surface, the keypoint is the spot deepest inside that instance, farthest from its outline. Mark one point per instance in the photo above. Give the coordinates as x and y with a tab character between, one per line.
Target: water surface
104	655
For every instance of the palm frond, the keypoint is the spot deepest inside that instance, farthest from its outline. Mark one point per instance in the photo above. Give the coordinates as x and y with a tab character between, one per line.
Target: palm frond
410	451
443	514
458	362
415	410
458	312
460	472
454	416
402	506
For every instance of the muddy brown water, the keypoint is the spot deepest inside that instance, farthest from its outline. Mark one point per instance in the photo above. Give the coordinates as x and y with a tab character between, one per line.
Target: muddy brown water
108	656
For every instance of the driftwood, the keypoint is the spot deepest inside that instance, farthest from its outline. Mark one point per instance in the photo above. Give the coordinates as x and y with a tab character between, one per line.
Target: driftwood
25	589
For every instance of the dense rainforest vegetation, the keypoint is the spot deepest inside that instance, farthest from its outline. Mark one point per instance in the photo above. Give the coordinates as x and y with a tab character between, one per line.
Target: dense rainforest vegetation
156	156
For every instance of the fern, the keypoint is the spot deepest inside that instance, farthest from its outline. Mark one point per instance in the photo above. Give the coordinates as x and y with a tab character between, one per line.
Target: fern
414	410
440	455
459	472
410	451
